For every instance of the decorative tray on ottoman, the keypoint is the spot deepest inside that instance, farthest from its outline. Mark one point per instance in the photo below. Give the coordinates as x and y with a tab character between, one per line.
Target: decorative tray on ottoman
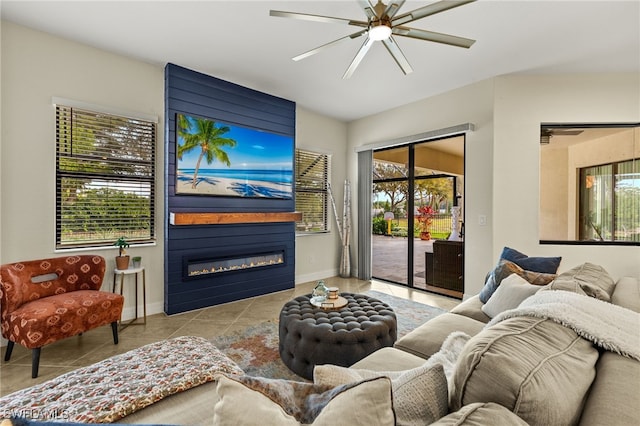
326	303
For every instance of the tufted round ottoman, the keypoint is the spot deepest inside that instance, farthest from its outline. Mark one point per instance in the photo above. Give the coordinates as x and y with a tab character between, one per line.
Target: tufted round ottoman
310	335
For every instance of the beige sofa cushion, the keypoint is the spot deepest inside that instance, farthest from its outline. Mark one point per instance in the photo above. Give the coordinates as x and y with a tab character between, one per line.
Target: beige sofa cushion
538	369
255	401
427	339
389	359
592	280
481	414
614	397
191	407
627	293
420	395
472	308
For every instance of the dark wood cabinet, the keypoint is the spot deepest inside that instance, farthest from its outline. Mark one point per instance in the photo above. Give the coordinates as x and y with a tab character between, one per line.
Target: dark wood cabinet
445	266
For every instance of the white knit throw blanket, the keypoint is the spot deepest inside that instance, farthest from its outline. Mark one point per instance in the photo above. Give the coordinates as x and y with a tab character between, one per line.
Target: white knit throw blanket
608	326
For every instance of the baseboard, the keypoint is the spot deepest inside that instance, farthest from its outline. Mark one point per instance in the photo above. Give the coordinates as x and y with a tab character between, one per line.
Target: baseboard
301	279
129	312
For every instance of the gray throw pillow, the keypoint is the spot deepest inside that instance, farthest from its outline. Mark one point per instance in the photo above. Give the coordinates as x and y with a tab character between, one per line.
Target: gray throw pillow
589	279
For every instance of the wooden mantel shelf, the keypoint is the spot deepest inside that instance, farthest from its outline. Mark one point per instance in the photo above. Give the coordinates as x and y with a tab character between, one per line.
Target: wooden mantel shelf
231	218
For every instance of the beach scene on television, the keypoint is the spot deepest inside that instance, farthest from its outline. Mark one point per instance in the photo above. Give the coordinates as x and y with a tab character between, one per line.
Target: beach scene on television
220	159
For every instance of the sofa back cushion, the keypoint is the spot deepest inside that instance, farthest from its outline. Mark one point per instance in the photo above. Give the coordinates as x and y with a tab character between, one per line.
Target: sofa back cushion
538	369
481	414
588	279
627	293
22	282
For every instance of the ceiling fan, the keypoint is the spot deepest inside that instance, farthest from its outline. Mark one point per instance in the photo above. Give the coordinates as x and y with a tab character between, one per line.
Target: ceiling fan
546	133
382	24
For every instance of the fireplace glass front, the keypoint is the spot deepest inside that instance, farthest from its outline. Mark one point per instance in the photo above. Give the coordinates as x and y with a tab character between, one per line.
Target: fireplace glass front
216	265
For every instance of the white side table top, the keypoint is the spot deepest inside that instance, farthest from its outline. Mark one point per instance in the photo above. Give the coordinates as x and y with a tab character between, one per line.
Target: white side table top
128	271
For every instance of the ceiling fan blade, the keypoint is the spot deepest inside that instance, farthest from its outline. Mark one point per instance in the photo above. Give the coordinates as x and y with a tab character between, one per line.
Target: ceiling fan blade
428	10
433	36
324	46
393	7
368	9
317	18
397	54
359	56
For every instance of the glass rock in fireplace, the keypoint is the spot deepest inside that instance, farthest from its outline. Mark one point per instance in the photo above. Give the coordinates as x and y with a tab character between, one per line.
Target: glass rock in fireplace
214	265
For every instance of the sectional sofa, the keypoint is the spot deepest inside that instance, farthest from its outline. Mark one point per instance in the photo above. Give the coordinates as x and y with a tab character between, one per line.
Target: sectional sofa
519	367
537	348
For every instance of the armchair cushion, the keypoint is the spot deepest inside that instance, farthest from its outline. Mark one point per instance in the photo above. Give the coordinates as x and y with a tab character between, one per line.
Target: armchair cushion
53	318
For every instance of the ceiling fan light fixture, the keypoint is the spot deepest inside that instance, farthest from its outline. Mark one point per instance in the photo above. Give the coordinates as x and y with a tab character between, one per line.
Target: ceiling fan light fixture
379	32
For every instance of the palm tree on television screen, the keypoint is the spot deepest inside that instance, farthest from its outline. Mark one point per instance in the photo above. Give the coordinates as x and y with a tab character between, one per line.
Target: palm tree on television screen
202	133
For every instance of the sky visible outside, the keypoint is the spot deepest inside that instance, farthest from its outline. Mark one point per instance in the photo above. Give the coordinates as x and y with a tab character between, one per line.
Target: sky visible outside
254	150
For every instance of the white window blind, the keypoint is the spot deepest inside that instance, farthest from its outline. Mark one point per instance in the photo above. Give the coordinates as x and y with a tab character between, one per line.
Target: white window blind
105	178
312	199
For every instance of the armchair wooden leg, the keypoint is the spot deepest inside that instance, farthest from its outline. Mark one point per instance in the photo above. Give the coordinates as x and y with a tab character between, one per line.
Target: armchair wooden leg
114	329
35	362
7	355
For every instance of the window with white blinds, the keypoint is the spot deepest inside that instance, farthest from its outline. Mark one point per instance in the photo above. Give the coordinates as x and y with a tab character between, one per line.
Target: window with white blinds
312	198
105	178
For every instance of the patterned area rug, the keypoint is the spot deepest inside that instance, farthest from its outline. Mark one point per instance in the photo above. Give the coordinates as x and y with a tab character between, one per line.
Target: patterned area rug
255	349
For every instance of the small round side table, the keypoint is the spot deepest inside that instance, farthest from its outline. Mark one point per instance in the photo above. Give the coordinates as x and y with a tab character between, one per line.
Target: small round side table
135	272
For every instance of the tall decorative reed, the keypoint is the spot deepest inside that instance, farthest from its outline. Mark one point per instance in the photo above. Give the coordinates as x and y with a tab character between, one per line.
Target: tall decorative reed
344	228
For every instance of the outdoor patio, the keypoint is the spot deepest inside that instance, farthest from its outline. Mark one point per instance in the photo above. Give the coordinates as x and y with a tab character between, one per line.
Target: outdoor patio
389	261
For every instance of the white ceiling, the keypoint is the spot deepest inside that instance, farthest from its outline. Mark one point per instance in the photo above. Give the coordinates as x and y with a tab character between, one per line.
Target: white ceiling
238	41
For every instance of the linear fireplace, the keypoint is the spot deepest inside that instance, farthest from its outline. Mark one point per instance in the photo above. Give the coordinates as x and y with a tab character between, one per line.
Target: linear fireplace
215	264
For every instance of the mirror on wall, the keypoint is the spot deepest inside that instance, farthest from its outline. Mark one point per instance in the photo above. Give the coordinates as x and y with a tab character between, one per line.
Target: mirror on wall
590	184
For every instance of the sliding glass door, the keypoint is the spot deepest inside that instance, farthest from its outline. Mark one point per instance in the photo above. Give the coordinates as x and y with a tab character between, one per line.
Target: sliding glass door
417	199
391	221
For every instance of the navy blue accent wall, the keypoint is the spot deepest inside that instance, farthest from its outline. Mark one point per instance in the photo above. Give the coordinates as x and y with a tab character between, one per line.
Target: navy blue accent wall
193	93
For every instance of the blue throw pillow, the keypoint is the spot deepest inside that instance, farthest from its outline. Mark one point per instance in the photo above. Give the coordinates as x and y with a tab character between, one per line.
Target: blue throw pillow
546	265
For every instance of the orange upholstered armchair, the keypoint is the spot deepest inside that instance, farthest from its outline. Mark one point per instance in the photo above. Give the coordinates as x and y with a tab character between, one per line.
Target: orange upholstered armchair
43	301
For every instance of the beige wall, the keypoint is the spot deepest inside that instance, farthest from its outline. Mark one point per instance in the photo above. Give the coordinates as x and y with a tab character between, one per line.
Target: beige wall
522	103
502	169
36	67
317	256
554	198
502	157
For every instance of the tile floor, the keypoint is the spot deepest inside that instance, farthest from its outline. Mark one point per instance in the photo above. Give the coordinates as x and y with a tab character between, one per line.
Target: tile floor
96	345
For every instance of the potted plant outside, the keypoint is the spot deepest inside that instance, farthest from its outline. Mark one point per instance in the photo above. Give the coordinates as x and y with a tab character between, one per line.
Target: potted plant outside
122	260
425	220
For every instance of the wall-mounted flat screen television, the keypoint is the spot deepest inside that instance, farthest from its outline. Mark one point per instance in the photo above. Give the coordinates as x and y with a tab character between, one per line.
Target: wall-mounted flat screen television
221	159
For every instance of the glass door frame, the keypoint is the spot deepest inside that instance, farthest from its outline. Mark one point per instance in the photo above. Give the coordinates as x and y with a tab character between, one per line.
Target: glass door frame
410	202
